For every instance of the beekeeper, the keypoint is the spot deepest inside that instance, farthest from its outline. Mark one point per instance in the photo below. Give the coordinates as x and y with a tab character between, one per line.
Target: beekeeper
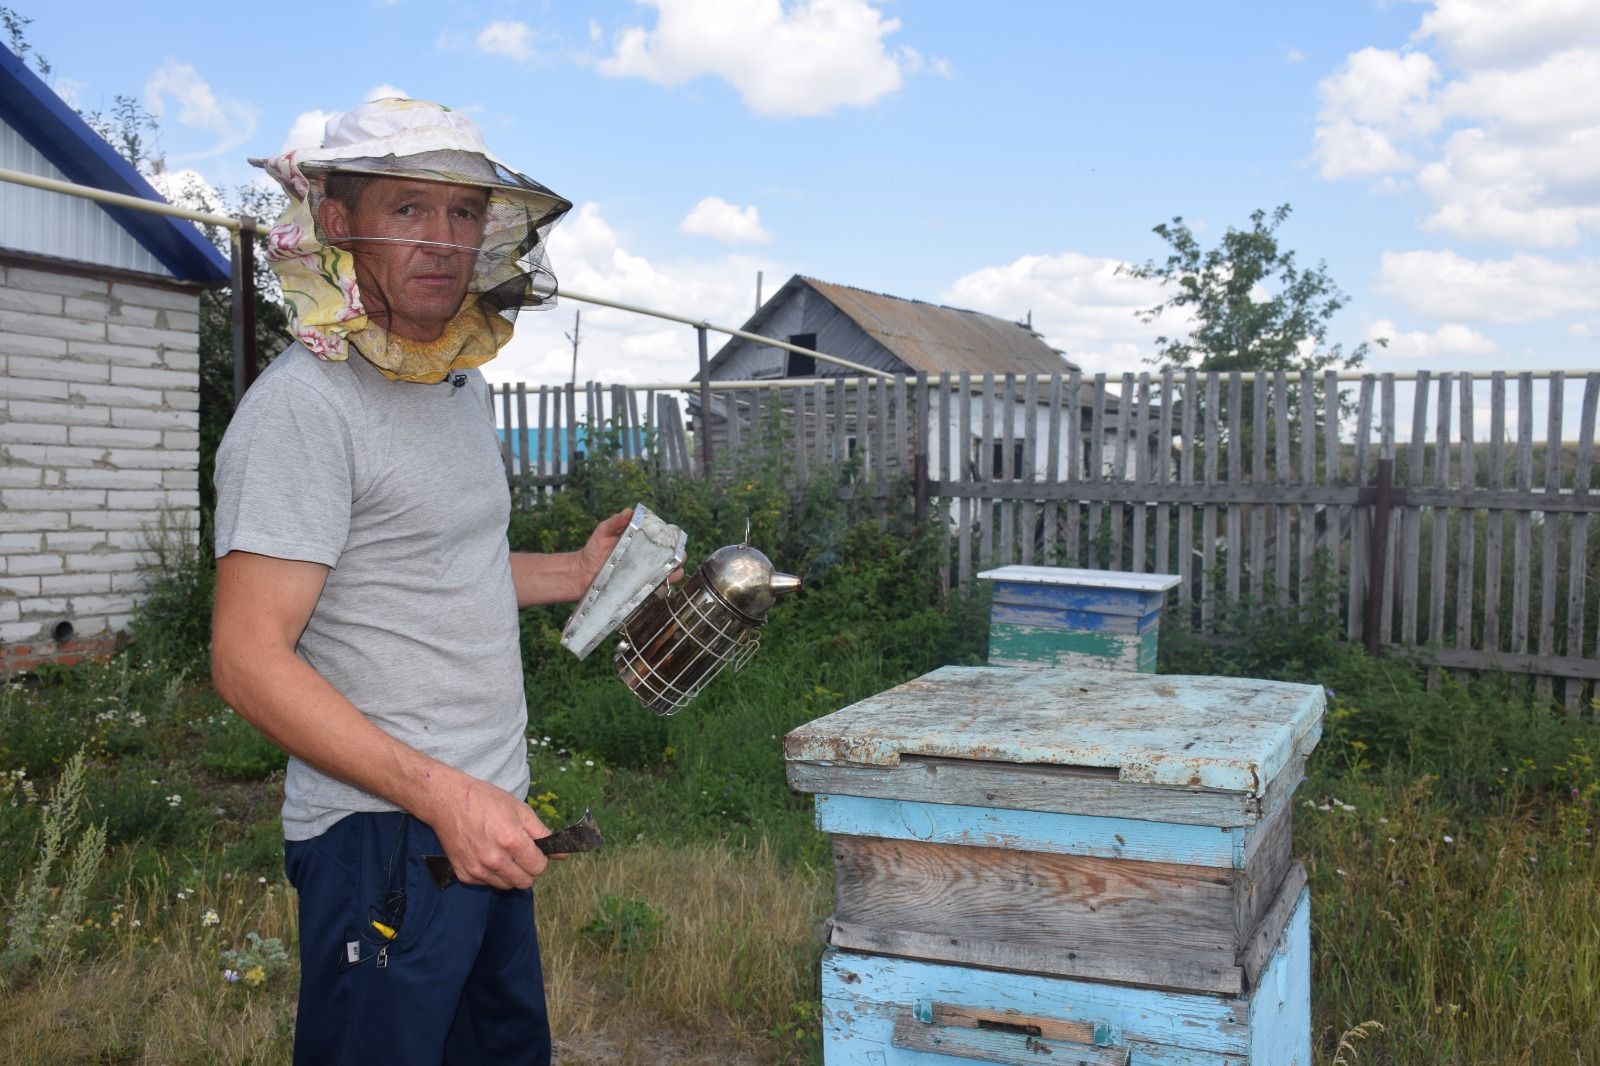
366	603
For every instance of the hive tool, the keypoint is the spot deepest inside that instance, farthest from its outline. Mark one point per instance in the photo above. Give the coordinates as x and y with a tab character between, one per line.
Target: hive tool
582	835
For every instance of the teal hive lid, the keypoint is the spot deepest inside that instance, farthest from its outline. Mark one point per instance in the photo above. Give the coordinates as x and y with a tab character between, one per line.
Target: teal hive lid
1230	734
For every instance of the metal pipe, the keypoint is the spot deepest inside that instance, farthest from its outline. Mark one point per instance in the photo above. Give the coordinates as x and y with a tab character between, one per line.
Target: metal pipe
137	203
18	177
117	199
699	323
1042	379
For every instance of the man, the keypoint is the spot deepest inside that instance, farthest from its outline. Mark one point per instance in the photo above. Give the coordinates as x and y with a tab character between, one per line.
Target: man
366	607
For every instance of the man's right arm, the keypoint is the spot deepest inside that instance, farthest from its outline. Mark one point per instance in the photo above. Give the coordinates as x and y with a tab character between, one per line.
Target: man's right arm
262	606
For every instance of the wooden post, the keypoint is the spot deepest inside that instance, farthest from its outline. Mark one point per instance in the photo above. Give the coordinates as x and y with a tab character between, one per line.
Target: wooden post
919	462
704	428
1359	580
1382	501
523	458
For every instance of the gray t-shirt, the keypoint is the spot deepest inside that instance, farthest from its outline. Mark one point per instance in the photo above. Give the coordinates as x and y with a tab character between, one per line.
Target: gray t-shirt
399	488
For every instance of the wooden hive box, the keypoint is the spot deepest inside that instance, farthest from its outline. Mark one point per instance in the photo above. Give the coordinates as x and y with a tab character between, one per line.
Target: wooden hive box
1052	616
1075	829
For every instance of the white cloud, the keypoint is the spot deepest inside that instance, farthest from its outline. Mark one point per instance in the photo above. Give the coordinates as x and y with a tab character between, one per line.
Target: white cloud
189	188
590	257
1522	288
1080	303
1448	340
511	39
307	128
807	58
232	122
1496	33
1294	55
714	217
1493	110
1347	150
1376	99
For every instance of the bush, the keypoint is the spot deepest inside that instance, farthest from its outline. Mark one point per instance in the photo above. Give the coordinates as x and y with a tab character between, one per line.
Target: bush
173	624
871	613
1383	714
139	809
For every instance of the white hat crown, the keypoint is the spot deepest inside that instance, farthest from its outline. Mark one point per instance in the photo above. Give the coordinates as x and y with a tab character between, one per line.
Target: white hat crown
393	126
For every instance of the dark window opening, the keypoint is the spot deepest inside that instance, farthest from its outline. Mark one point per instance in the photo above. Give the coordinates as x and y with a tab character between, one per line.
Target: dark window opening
797	365
997	458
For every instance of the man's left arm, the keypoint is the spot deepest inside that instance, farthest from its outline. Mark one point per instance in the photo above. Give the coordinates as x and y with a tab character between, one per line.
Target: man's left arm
562	577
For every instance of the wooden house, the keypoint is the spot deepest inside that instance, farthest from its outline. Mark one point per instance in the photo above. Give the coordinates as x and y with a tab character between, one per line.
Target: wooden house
896	336
99	381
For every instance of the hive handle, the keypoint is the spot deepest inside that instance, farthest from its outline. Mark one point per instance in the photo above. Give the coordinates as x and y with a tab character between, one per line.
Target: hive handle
1006	1037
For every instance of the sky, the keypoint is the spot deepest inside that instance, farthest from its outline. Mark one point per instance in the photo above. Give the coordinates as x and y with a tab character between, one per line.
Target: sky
1442	158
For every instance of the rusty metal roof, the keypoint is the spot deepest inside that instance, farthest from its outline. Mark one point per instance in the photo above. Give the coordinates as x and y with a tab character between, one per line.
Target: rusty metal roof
934	338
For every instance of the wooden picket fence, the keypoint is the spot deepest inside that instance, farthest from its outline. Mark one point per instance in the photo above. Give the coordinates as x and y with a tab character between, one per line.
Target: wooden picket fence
1285	489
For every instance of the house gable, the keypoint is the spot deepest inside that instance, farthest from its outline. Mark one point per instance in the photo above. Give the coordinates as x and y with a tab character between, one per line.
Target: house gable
41	135
884	332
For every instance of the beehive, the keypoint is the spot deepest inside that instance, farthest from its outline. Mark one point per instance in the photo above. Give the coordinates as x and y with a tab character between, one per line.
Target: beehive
1052	616
1013	843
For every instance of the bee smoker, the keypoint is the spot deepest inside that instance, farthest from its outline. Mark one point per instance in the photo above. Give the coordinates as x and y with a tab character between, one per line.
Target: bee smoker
675	640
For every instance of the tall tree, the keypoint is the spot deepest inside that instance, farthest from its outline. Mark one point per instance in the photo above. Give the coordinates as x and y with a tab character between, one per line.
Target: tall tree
1253	307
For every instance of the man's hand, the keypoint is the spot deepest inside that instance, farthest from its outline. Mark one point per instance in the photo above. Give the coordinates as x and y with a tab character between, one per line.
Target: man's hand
487	834
565	576
261	608
592	556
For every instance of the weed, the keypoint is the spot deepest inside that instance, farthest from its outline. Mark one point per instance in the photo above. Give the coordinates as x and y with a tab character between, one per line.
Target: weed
237	751
33	935
1350	1038
799	1034
255	963
626	926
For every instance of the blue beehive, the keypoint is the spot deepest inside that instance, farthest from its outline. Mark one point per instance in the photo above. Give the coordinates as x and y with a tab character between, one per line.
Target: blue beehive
1047	616
1089	863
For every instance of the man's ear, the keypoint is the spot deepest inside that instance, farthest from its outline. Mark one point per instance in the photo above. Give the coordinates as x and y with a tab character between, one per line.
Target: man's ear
334	218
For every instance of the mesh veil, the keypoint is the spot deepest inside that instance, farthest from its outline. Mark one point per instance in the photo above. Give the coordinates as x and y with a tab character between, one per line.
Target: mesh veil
510	268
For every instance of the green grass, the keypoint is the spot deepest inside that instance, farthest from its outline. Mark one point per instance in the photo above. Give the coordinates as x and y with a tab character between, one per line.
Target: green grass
1448	832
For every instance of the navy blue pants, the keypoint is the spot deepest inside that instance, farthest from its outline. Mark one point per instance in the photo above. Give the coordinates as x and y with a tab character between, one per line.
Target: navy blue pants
458	983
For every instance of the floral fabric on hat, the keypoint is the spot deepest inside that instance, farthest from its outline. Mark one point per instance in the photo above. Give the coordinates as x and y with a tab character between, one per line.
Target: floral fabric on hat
319	280
426	141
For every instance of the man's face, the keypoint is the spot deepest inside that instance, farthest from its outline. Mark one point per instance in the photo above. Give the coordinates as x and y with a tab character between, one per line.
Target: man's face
421	246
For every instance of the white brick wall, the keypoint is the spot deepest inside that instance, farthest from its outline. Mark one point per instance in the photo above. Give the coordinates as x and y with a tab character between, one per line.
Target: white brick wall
99	420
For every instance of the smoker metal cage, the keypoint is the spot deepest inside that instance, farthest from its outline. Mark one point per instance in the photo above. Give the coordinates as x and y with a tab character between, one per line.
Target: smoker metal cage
674	645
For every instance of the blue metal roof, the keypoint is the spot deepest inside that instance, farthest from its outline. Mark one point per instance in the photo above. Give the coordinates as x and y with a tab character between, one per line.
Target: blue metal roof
33	109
